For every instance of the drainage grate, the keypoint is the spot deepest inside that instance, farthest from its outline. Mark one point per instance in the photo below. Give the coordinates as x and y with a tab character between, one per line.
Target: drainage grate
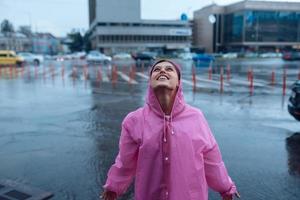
12	190
17	195
3	198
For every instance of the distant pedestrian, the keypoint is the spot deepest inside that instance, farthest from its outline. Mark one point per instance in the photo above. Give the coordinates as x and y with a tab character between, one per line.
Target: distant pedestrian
168	147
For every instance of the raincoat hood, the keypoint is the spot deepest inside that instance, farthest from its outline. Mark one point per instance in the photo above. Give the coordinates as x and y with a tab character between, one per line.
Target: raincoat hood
152	101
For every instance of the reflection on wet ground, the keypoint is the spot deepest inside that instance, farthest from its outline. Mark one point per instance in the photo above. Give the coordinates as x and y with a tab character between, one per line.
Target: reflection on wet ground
60	125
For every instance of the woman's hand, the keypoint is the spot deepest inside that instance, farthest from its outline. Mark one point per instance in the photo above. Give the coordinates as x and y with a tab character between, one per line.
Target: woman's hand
231	197
108	195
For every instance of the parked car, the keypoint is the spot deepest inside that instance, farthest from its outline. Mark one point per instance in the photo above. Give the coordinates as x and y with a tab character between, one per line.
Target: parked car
31	58
10	58
270	55
122	56
294	101
293	55
97	57
144	56
81	55
203	58
230	55
186	56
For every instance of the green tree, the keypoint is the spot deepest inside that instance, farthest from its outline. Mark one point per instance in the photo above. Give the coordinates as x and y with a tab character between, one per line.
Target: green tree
7	27
26	30
87	42
77	42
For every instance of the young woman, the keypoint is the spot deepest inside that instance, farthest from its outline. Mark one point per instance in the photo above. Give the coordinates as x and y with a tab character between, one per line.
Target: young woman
167	146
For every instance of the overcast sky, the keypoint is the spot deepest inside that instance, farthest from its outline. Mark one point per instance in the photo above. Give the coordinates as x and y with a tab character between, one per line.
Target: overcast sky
60	16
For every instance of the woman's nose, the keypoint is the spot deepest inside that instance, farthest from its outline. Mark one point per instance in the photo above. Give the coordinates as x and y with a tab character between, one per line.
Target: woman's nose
162	70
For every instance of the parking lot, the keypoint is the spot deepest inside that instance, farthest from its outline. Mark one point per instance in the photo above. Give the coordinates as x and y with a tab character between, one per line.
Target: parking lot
60	122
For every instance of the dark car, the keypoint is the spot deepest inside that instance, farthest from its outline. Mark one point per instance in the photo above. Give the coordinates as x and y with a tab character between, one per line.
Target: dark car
294	55
144	56
203	60
294	101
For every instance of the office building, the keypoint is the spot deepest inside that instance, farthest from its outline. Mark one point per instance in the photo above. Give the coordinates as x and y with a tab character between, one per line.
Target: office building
116	26
248	26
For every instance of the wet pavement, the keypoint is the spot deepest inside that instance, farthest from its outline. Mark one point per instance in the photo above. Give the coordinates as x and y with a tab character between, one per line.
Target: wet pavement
60	123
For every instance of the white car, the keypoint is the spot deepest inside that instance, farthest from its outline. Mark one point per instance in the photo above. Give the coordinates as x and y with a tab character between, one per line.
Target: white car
32	58
122	56
186	56
96	57
79	55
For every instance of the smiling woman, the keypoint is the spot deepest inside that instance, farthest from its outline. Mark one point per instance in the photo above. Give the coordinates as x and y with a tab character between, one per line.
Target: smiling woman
168	147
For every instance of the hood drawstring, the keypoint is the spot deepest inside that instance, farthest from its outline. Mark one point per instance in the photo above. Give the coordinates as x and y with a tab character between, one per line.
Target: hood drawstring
165	134
170	118
171	122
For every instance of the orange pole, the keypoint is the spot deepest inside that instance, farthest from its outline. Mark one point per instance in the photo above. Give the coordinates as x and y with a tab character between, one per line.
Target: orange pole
273	78
251	82
194	77
22	70
284	82
221	80
210	72
28	72
10	71
99	77
63	71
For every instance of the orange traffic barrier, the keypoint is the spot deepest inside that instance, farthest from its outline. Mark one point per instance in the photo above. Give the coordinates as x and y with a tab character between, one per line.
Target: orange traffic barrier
28	72
251	86
284	82
99	77
74	72
15	72
221	80
52	72
11	71
63	72
273	78
210	72
114	76
194	77
85	72
22	70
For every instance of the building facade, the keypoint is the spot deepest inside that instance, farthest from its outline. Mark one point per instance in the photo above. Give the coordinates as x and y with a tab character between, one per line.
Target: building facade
15	41
116	26
248	26
45	43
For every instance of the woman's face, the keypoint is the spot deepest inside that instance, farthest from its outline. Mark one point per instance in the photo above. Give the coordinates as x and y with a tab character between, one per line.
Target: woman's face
164	75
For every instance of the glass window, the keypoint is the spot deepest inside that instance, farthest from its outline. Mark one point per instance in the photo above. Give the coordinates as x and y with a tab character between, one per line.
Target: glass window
233	27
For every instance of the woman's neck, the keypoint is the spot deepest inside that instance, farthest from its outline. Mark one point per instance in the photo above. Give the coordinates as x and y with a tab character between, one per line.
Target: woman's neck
166	99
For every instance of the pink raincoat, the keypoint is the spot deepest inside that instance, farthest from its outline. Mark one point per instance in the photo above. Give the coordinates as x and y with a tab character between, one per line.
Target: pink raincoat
172	157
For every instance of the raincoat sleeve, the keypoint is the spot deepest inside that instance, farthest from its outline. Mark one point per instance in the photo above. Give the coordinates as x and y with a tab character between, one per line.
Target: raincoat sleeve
122	171
215	171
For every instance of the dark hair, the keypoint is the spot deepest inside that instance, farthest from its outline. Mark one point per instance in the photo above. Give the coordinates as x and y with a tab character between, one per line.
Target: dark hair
169	61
